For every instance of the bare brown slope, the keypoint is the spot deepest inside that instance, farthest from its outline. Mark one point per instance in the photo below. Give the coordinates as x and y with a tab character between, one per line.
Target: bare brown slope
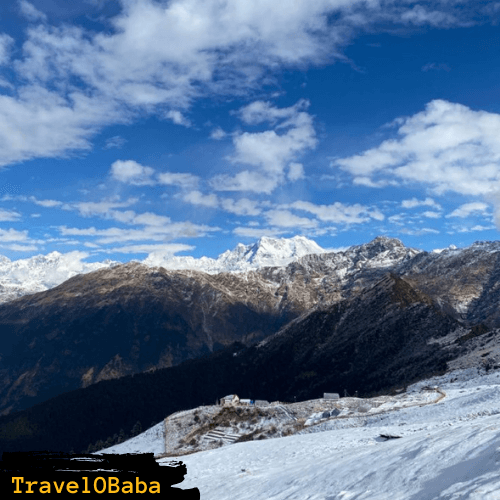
124	320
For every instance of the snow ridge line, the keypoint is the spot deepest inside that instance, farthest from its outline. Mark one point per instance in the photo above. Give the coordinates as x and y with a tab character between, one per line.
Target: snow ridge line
364	416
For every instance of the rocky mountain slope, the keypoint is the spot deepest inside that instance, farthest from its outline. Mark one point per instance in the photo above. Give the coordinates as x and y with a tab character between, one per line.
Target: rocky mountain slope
386	338
124	320
465	282
129	318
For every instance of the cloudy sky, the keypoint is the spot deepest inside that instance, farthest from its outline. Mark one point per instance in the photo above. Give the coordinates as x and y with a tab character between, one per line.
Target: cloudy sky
186	126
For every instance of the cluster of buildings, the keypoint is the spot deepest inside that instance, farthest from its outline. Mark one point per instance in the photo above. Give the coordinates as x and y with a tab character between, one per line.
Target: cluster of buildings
234	400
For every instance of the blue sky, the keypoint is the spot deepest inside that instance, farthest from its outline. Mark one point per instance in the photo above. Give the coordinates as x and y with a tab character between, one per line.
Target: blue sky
141	126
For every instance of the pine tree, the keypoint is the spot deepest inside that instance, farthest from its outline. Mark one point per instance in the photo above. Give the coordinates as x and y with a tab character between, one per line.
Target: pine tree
121	436
137	429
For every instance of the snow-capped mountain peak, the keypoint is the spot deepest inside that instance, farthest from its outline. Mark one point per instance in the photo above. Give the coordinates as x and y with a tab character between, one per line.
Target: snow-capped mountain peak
41	272
275	252
269	252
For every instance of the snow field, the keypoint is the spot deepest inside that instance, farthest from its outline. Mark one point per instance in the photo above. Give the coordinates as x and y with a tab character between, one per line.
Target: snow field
449	450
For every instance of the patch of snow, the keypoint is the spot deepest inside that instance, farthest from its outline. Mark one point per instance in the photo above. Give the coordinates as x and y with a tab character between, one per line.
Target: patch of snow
448	451
150	441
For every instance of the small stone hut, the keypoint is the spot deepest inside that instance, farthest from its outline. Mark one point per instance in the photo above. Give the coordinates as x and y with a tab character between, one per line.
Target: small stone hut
231	400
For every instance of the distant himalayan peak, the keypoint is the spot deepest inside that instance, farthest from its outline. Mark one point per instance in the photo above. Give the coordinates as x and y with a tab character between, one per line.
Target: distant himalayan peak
266	252
272	251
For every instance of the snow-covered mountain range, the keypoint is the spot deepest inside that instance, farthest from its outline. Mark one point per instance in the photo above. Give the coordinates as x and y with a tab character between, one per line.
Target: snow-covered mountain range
266	252
143	316
42	272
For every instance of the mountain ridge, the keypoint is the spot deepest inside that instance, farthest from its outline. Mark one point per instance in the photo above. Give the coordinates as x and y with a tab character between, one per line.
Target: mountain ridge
43	272
130	318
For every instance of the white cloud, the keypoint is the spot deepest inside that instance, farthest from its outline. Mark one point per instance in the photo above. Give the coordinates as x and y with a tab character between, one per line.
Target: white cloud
163	232
165	248
366	181
244	181
198	198
158	57
150	219
448	147
16	247
29	11
431	214
104	208
478	227
217	134
419	232
45	203
284	218
178	179
9	215
9	235
435	67
5	84
260	111
243	206
131	172
32	199
396	219
468	208
295	171
115	142
6	43
271	151
40	123
428	202
254	232
338	212
178	118
419	15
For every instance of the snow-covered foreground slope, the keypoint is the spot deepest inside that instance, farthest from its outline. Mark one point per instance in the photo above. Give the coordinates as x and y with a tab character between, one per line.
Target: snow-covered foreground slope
150	441
449	450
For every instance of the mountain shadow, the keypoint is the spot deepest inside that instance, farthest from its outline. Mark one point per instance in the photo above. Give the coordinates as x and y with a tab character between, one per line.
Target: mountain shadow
370	343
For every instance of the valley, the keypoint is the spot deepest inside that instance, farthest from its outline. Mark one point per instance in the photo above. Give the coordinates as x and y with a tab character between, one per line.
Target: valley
98	349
